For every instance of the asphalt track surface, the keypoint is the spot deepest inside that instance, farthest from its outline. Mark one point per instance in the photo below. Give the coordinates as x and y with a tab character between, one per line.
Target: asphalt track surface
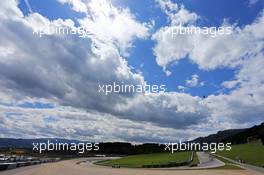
70	167
207	161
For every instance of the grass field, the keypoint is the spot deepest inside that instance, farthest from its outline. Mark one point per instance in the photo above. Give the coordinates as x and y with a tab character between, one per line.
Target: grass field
251	153
137	161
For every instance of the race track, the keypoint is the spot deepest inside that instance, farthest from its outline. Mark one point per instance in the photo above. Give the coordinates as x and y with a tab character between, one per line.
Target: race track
70	167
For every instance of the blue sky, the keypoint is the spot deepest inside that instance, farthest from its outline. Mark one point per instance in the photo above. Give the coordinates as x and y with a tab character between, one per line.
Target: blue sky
205	77
141	56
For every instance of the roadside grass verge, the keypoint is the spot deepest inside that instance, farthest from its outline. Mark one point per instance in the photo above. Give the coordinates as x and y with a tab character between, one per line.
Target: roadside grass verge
195	161
228	165
251	153
152	160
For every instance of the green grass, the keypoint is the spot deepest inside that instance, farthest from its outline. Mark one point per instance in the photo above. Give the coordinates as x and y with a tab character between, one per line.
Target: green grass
251	153
195	159
137	161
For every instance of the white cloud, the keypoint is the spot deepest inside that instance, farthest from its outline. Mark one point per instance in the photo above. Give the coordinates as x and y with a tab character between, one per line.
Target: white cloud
9	10
194	81
76	123
206	51
77	5
177	15
170	109
241	50
113	25
230	84
252	2
168	73
244	104
183	16
168	6
182	88
66	70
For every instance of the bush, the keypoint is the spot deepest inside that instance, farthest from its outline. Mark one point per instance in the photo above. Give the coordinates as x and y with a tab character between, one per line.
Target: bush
168	165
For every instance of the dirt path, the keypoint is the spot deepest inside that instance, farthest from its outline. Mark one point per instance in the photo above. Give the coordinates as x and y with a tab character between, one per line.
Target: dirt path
70	167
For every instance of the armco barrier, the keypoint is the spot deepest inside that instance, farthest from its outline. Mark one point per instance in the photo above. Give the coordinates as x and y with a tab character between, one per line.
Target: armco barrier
12	166
27	164
3	166
21	164
7	166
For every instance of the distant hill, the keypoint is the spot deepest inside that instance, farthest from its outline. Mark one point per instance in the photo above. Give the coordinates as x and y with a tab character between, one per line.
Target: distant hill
247	135
219	136
235	136
105	148
27	143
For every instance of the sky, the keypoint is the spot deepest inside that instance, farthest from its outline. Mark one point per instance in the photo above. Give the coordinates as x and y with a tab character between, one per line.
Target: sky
49	84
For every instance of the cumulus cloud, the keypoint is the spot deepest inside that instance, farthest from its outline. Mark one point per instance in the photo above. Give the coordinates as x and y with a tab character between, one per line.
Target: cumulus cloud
69	122
113	25
181	88
66	70
242	50
171	109
222	50
177	14
9	10
194	81
244	103
77	5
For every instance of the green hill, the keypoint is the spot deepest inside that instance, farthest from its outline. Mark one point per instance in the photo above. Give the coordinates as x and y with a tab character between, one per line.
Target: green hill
235	136
251	153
